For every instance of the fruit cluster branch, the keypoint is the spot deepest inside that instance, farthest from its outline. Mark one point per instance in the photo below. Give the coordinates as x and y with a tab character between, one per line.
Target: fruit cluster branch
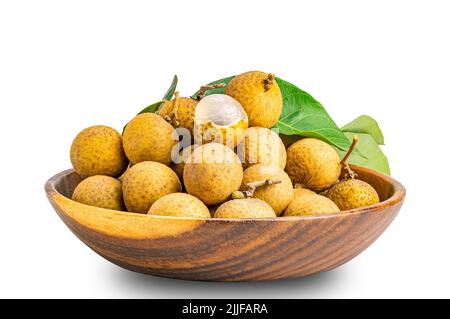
202	92
349	173
251	187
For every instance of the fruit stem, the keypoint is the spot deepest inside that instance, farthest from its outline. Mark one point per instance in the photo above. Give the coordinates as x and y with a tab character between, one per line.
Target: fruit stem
203	89
251	187
349	173
268	82
172	117
174	113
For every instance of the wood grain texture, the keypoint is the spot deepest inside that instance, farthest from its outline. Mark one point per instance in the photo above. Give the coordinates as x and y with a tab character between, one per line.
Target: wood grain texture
227	249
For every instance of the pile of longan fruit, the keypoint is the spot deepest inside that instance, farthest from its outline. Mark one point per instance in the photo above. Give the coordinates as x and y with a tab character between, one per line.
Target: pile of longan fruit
215	156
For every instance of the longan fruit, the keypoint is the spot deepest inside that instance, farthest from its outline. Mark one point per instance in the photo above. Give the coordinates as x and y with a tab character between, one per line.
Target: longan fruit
179	205
260	96
97	150
244	208
145	183
212	173
353	193
313	163
100	191
311	204
148	137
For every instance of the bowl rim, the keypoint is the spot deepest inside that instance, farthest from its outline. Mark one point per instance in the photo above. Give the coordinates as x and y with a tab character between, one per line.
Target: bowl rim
398	196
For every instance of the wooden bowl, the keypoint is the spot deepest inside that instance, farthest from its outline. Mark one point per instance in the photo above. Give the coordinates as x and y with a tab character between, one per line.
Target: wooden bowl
227	249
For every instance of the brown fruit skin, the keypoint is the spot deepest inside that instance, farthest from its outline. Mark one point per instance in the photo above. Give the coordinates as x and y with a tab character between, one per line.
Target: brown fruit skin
244	208
179	205
213	172
148	137
310	204
353	193
97	150
313	163
100	191
262	106
185	114
145	183
278	196
262	146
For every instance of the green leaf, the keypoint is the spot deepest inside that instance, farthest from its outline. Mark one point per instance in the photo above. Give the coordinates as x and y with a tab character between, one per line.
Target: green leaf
375	160
303	115
153	107
366	125
172	88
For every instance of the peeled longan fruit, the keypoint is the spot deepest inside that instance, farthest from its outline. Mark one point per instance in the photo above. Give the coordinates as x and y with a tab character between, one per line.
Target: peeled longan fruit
100	191
262	146
353	193
148	137
212	173
279	195
220	118
313	163
179	112
97	150
145	183
311	204
244	208
259	95
179	205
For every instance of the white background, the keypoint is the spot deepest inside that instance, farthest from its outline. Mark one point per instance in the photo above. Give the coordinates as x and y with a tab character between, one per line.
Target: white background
68	65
